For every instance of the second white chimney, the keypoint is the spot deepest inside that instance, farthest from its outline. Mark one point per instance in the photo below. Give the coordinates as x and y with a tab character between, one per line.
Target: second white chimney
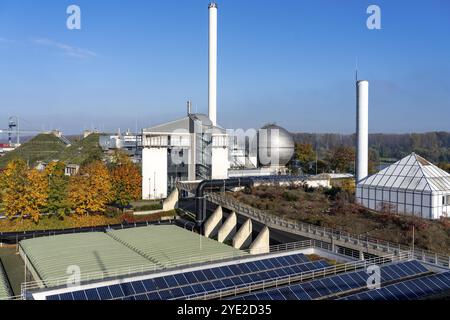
362	130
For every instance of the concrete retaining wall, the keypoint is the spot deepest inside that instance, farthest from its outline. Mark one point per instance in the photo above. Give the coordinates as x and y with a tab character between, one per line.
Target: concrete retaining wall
228	228
243	238
214	222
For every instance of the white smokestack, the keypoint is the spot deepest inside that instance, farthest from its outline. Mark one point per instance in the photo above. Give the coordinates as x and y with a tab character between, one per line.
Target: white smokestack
362	129
212	86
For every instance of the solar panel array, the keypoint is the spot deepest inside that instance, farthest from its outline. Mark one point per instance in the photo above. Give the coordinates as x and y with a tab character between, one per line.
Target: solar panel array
199	282
337	284
408	290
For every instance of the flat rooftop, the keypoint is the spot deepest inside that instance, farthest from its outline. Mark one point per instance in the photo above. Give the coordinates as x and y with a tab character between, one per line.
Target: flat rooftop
52	257
171	245
121	252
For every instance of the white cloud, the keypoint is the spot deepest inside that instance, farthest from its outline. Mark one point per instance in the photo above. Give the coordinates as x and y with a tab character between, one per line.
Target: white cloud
66	49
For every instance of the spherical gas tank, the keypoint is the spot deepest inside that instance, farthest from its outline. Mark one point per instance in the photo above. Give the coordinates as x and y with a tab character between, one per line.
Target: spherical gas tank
275	146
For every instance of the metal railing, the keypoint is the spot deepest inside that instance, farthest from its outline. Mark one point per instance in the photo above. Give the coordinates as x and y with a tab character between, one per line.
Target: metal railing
304	276
111	275
223	278
363	242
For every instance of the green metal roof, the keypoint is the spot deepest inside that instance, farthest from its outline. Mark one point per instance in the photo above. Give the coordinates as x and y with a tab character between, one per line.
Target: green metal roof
171	245
4	287
91	252
120	252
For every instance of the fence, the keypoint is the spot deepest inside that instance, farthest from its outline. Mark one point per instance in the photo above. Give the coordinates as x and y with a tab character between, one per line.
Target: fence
16	237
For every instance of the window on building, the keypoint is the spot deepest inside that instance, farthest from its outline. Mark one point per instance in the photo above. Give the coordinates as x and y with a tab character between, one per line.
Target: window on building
446	200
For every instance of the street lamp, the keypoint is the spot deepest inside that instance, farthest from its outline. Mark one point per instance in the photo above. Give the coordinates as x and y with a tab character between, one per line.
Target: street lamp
149	188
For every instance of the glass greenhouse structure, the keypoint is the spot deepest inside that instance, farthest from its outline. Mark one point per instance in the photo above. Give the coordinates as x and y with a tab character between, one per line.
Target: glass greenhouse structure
411	186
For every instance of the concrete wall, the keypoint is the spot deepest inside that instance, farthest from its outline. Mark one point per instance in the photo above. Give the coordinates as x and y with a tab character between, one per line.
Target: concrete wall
325	183
171	202
228	228
154	173
243	238
262	242
213	224
219	158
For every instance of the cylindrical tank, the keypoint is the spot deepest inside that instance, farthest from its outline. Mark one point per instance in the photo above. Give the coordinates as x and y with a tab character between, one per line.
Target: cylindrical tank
275	146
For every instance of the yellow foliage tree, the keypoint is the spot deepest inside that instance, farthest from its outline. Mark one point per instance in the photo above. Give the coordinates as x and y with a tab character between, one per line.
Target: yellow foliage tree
126	182
36	194
90	190
24	191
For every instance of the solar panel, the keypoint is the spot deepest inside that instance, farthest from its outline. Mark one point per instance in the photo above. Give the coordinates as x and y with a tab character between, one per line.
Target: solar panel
229	275
338	284
116	291
92	294
103	293
409	290
66	296
79	295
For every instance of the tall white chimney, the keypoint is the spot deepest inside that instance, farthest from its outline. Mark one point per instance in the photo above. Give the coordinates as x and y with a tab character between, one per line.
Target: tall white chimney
212	86
362	129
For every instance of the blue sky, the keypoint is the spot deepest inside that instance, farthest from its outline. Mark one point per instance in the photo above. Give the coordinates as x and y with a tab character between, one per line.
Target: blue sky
290	62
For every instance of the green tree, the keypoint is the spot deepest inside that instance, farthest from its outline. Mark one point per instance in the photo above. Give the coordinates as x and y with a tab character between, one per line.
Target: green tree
120	157
374	160
58	189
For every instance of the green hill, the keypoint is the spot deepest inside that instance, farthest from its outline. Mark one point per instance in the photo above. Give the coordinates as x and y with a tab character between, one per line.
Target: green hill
43	147
47	147
81	150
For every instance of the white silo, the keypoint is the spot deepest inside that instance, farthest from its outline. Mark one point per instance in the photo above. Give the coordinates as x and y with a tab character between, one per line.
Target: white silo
212	76
362	129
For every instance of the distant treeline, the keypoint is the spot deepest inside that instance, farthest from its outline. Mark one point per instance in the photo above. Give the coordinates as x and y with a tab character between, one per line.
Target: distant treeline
434	146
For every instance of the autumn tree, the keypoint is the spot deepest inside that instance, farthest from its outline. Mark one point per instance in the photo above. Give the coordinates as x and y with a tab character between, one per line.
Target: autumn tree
126	184
90	190
13	182
36	194
24	191
305	154
444	166
58	189
342	159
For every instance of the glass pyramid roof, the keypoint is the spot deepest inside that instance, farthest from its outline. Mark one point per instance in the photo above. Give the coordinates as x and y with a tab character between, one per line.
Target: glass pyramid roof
410	173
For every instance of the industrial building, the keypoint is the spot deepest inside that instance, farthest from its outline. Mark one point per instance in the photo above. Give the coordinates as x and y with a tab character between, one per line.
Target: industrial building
195	147
188	149
411	186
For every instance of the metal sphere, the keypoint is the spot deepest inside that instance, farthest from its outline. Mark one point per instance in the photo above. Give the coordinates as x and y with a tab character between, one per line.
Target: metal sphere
275	146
